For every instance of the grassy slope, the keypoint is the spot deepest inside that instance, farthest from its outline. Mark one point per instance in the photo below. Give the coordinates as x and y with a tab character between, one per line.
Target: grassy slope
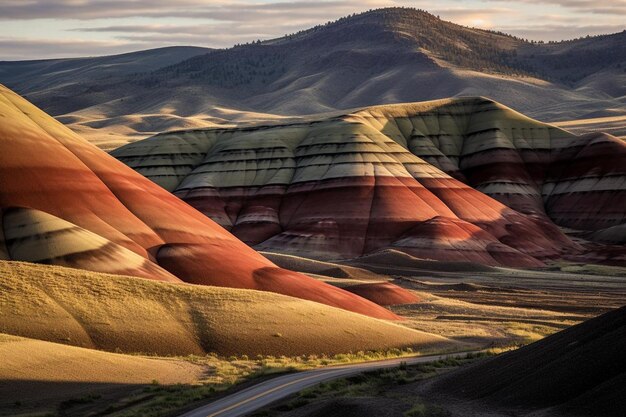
134	315
40	378
44	371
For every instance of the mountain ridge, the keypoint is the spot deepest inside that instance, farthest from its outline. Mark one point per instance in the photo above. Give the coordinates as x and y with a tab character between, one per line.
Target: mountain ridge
378	57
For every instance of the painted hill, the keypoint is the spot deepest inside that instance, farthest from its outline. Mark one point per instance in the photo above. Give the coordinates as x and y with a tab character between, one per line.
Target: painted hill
118	313
457	180
65	202
580	371
383	293
383	56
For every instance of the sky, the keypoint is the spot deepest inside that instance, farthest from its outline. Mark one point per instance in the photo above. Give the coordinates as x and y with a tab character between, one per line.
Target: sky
38	29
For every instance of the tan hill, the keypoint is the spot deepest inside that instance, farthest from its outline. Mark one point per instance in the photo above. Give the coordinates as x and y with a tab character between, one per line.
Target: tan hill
127	314
40	372
65	202
580	371
464	180
383	56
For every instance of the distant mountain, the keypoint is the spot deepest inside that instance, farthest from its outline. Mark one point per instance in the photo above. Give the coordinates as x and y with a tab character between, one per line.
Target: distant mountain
382	56
405	35
456	180
38	75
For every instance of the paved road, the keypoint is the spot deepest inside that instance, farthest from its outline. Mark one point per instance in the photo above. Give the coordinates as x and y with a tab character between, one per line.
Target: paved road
260	395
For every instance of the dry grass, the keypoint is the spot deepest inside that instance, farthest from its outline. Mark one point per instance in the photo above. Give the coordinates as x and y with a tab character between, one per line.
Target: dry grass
591	269
483	325
485	306
383	386
127	314
35	372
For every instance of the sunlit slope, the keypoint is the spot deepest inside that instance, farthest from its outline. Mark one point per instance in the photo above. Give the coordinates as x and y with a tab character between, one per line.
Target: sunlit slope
461	180
43	371
118	313
63	201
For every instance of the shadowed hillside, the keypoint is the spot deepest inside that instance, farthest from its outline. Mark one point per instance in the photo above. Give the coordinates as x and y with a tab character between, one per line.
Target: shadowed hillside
36	371
580	371
35	75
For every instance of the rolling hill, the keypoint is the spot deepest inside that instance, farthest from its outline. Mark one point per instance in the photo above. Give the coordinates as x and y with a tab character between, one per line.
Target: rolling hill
31	76
65	202
126	314
72	75
383	293
383	56
465	180
44	374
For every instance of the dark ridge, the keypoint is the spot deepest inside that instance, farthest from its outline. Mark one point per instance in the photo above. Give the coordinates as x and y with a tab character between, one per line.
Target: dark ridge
581	370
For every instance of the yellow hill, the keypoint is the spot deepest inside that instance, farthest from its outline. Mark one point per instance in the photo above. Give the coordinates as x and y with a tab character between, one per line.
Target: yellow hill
34	370
118	313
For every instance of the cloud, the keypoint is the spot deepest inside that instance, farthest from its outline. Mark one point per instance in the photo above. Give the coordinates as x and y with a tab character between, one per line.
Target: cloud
112	26
561	32
610	7
222	23
473	17
216	35
248	10
463	12
17	49
234	11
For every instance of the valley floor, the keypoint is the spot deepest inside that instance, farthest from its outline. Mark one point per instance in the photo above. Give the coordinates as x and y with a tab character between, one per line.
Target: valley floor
495	308
498	307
